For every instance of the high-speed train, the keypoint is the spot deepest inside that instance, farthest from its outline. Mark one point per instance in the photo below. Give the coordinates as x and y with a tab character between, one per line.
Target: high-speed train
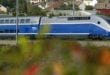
90	26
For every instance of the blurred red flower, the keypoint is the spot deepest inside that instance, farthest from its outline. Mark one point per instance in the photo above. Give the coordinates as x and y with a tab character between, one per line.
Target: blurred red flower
104	56
32	70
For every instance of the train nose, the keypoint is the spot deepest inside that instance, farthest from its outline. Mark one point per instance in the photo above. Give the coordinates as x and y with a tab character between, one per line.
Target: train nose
108	34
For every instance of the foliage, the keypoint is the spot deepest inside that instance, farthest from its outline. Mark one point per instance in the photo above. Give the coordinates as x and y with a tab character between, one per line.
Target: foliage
89	7
59	14
64	7
24	8
51	15
8	3
33	10
104	55
53	56
67	7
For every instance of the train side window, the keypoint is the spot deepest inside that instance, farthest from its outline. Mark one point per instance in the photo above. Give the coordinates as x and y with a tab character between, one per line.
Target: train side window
6	21
12	21
22	21
78	18
98	22
1	21
16	21
27	20
70	18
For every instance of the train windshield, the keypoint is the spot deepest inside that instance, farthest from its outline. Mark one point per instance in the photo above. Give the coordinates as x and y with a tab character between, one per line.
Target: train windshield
106	18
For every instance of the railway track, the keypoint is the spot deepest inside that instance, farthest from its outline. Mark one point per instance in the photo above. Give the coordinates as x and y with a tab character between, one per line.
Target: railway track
8	42
96	43
82	42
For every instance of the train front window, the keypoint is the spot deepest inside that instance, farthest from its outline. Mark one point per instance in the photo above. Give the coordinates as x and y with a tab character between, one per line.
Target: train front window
108	20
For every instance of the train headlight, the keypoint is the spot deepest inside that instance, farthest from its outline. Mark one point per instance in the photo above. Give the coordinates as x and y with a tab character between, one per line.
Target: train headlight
34	28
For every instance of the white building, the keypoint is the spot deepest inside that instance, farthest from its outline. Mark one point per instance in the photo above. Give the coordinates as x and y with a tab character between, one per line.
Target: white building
90	2
103	4
3	9
36	1
86	2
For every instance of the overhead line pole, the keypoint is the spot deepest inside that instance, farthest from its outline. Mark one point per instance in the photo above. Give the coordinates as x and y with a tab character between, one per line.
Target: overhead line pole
17	12
73	7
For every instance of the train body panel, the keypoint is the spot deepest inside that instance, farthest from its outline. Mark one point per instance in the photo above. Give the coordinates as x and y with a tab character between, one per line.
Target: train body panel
22	29
75	29
76	25
26	25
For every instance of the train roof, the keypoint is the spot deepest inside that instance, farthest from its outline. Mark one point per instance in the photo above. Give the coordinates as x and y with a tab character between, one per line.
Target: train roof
65	19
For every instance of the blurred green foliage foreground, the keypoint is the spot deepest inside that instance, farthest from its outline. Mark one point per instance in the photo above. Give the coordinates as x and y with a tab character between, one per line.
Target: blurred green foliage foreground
54	57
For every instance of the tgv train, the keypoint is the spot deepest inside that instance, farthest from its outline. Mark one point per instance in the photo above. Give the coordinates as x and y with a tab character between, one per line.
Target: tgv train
90	26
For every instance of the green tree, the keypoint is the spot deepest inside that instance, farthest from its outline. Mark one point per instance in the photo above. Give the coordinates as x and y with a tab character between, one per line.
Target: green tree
34	10
8	3
89	7
22	7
